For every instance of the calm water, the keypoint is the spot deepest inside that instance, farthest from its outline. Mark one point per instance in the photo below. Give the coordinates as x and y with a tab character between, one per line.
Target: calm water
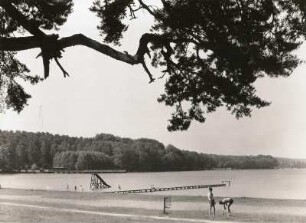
278	183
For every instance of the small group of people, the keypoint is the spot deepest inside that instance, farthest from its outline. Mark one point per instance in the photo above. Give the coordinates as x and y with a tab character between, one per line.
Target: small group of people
226	202
75	188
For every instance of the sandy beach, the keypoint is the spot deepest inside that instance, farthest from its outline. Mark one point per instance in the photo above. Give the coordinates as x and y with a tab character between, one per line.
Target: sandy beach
56	206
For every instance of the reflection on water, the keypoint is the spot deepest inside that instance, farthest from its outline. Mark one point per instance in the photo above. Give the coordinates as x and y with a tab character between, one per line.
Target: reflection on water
276	183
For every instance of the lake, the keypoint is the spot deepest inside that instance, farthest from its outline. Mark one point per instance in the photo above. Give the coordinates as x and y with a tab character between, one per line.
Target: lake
275	183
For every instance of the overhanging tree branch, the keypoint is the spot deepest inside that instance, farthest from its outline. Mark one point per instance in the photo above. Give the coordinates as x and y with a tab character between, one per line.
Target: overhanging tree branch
52	46
25	43
21	19
146	7
46	42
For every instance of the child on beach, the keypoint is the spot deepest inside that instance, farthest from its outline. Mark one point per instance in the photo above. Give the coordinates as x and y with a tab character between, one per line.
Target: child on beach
211	201
226	202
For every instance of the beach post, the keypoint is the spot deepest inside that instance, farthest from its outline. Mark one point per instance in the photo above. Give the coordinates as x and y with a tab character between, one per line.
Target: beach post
167	203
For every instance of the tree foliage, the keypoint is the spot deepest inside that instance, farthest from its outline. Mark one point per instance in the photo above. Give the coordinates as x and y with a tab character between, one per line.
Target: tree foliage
211	51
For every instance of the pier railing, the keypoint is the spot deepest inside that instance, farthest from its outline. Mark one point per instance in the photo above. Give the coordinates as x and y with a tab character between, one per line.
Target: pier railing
156	189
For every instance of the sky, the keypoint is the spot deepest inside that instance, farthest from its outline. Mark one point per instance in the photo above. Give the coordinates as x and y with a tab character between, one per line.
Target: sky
103	95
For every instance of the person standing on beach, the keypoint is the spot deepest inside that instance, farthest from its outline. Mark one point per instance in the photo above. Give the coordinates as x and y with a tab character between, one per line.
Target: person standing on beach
211	201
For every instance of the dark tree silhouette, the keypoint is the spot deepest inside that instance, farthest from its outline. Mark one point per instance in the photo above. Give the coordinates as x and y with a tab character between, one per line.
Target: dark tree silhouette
211	51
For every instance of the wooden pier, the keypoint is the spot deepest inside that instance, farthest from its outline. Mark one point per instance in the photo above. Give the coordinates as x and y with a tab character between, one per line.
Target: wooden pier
156	189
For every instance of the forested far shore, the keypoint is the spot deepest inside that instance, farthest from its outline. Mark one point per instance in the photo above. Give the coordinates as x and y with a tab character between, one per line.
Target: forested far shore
33	151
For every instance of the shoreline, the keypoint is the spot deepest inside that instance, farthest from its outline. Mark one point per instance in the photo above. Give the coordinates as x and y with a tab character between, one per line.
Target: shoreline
59	171
152	194
62	171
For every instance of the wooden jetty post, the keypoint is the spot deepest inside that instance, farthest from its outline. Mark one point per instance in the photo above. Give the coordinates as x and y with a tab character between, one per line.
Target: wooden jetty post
167	204
97	182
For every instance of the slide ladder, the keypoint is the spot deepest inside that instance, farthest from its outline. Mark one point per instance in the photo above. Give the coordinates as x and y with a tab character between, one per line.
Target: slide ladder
97	182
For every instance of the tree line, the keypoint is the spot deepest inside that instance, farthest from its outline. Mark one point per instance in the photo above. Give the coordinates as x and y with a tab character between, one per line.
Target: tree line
24	150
